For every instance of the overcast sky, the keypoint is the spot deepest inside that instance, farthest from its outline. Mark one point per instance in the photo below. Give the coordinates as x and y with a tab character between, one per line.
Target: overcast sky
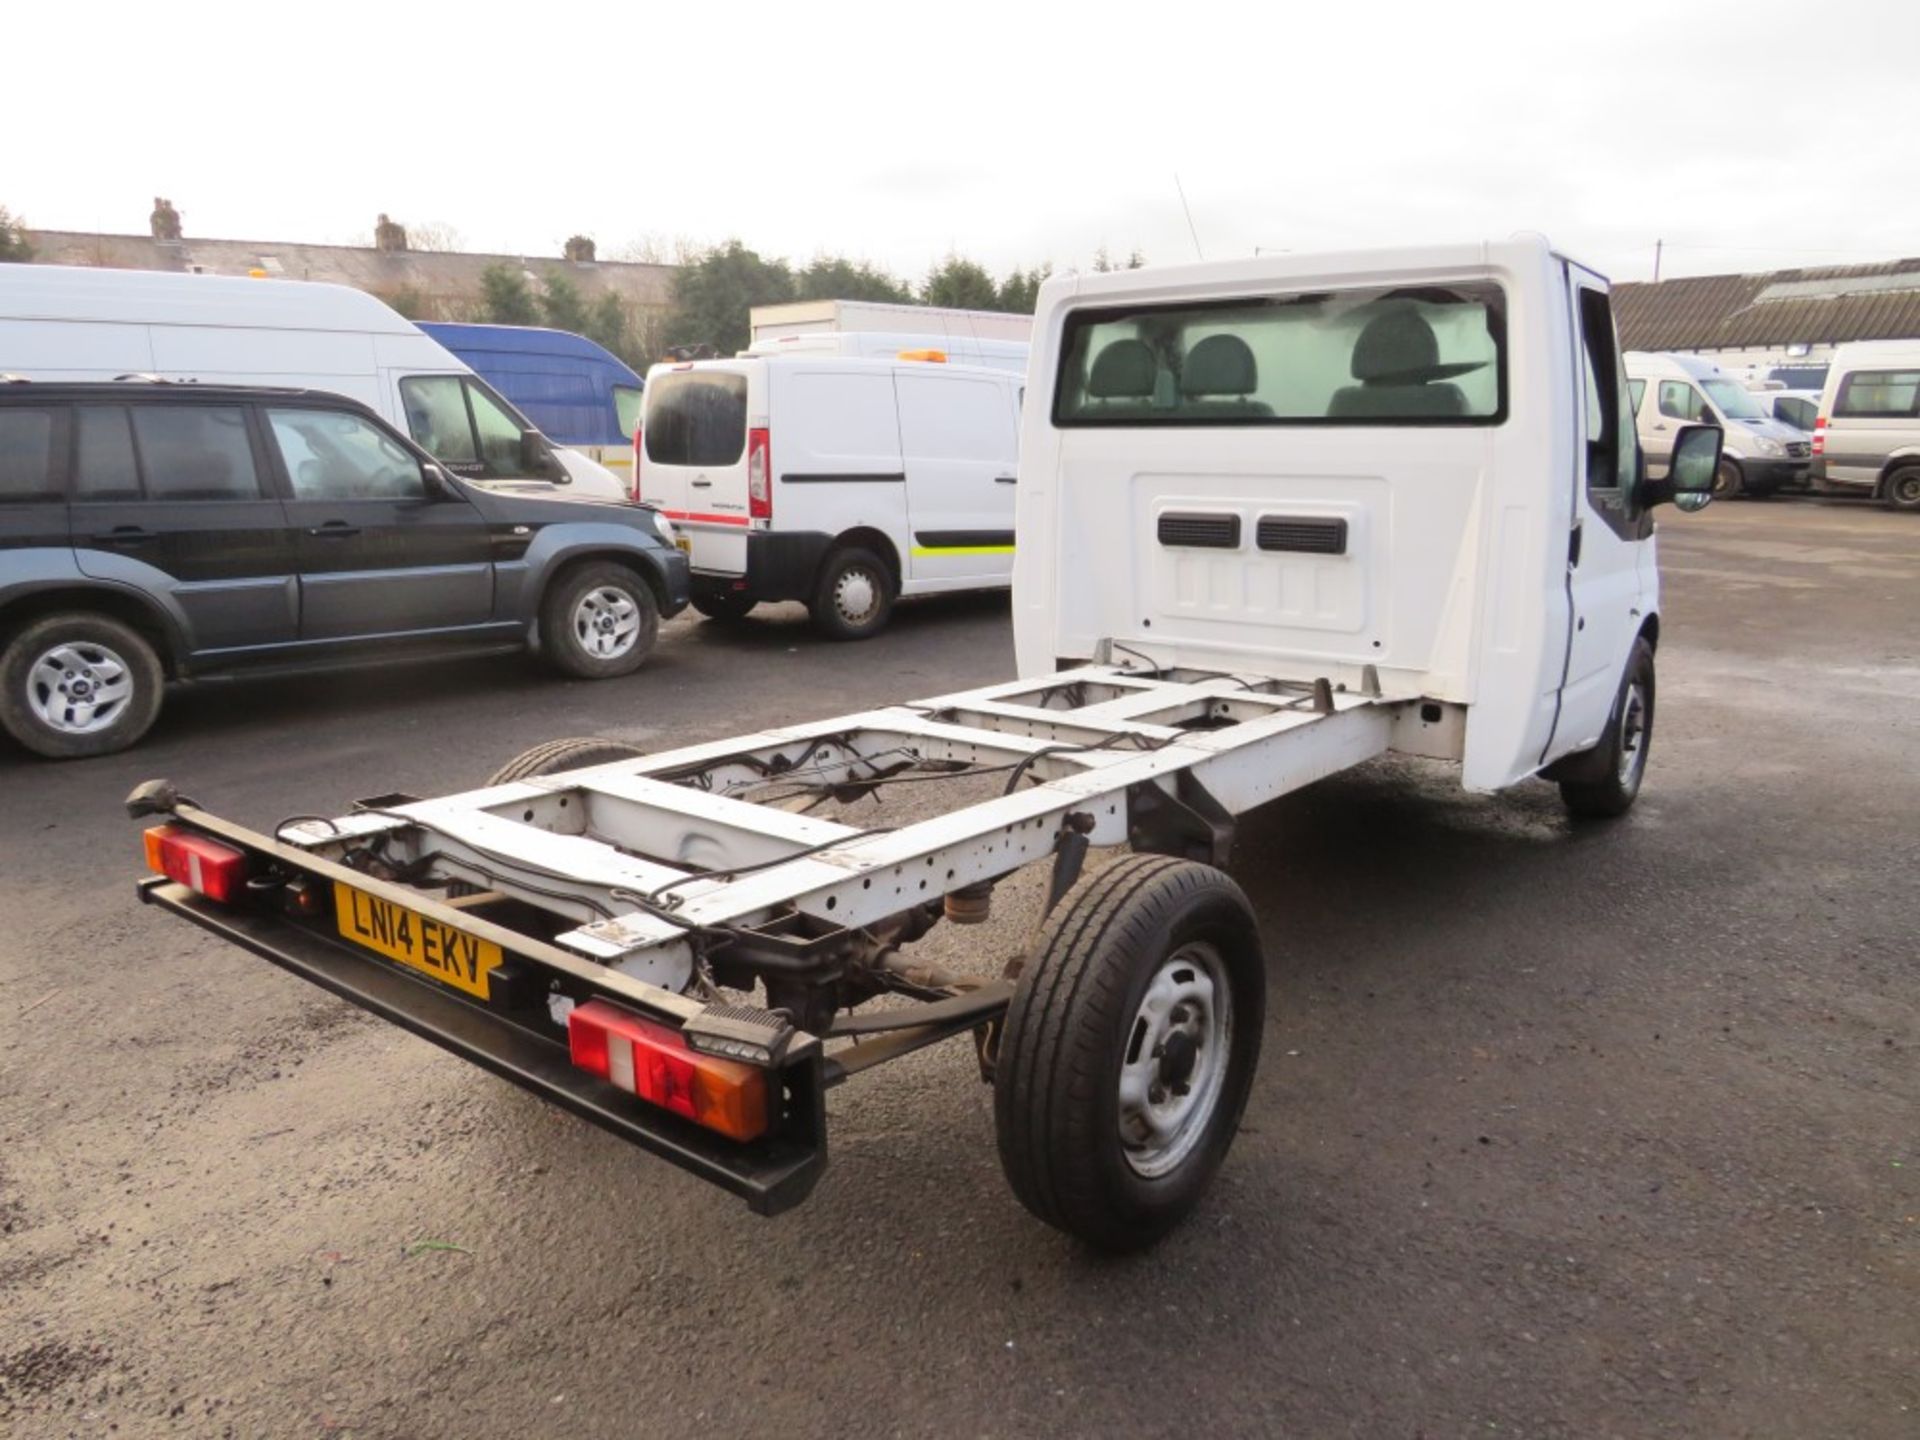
1747	136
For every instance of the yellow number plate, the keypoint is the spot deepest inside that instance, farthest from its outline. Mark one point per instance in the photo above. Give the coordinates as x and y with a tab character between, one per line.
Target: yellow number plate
450	956
685	542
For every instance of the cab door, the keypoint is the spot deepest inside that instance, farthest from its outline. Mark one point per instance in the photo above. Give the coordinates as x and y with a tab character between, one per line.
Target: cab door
958	445
1610	533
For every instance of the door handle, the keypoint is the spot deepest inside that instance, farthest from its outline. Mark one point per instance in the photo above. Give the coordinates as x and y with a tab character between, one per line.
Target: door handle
1573	545
703	484
334	530
1006	479
125	535
1660	427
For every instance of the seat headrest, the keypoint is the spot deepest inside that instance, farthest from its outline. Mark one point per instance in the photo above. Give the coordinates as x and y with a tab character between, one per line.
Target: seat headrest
1124	369
1219	365
1397	347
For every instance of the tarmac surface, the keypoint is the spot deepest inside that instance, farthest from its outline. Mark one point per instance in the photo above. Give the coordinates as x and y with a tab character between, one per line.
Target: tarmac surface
1585	1131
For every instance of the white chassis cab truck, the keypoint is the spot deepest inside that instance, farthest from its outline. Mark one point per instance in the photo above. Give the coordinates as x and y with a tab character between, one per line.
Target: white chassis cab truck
1278	517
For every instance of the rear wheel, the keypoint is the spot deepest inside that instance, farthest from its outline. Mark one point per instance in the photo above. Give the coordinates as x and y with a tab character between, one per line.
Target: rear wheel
598	621
724	605
854	596
1620	759
1129	1049
1903	488
571	754
1728	481
79	684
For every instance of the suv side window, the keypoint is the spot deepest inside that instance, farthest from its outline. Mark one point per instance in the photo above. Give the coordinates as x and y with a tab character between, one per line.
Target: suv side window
105	467
195	452
1680	401
26	454
332	455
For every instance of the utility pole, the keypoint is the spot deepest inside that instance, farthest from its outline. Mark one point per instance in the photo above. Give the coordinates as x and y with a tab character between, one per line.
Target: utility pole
1656	260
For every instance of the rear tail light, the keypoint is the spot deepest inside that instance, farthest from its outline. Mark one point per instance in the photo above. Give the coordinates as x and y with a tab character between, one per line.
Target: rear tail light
214	870
639	451
1820	436
759	475
652	1061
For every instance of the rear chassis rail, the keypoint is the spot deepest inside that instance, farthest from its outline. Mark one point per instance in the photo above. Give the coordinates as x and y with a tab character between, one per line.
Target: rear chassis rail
655	879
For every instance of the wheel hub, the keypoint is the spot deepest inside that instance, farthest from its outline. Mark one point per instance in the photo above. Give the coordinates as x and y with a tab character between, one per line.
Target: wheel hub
606	622
1175	1067
79	688
856	595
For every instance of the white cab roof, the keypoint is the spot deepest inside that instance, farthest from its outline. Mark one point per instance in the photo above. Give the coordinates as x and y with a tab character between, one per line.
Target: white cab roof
153	297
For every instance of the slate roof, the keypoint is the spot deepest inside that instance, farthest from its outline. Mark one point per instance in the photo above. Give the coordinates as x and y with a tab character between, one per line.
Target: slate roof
442	276
1824	305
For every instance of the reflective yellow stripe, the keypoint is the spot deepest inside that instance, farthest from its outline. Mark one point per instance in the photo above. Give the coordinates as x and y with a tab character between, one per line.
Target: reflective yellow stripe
921	551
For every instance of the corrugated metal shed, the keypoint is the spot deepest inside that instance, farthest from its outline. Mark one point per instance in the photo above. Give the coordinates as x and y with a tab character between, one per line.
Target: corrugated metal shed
1781	307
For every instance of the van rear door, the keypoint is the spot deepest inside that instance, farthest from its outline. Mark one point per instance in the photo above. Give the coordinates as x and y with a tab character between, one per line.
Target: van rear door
693	462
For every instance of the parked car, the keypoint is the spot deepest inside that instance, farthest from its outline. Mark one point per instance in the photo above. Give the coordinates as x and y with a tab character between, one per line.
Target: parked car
160	532
69	322
1759	454
1868	440
841	481
577	391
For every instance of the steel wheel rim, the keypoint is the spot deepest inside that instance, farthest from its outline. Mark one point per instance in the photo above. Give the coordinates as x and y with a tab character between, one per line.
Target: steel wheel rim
79	688
1174	1070
856	594
1906	489
606	621
1634	727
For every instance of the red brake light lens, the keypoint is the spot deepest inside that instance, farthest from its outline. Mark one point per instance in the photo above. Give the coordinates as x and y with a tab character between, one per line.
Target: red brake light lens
1820	436
759	475
215	870
652	1061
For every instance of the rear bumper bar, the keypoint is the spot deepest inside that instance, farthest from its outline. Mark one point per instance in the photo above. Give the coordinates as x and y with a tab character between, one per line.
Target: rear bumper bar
772	1175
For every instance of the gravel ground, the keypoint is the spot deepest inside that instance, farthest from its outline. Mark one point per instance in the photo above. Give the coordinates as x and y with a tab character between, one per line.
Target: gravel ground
1559	1131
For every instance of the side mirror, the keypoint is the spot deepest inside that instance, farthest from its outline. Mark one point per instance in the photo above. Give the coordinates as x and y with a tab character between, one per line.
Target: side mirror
1689	479
435	481
537	458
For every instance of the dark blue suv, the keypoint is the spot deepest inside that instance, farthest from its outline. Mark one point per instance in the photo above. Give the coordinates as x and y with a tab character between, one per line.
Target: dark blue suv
151	532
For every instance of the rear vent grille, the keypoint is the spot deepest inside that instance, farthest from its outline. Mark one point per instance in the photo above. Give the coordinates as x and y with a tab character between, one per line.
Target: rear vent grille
1201	532
1306	537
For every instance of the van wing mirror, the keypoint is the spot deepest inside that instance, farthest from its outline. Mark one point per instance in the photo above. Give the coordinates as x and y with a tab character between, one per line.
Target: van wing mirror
537	458
1689	478
435	481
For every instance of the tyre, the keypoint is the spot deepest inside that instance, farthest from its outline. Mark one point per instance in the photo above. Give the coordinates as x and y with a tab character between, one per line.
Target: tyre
598	621
1128	1050
78	684
1903	489
1728	481
553	755
1621	756
854	596
724	605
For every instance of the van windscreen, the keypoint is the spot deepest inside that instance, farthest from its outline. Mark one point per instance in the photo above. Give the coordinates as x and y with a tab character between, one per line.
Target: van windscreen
1409	355
696	417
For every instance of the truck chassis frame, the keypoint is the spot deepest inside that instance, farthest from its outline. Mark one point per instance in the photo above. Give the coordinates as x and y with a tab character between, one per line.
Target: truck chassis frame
649	883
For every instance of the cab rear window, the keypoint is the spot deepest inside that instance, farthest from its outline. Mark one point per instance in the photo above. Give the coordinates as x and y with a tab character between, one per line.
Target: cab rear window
1428	355
696	417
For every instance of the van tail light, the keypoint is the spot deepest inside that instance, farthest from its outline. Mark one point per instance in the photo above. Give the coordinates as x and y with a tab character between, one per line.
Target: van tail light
214	870
1820	436
759	475
652	1061
639	451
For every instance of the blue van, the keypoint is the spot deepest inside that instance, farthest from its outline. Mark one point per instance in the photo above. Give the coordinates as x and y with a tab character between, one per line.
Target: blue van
578	393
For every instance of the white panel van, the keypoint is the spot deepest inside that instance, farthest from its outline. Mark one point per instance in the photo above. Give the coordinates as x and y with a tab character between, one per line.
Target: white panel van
1868	436
1760	454
71	322
840	481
